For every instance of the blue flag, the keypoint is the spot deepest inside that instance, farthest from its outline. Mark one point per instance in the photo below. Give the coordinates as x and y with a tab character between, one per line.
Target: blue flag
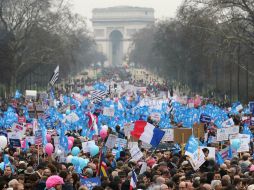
219	159
230	153
90	183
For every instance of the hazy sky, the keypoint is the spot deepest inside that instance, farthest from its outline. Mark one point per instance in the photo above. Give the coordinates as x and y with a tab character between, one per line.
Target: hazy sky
163	8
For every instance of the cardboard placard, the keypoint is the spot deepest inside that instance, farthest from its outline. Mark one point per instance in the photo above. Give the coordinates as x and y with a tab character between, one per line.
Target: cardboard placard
21	119
38	137
109	111
244	142
222	134
136	154
169	135
132	144
198	130
181	135
15	143
205	118
31	94
86	146
20	129
111	141
196	159
121	142
128	127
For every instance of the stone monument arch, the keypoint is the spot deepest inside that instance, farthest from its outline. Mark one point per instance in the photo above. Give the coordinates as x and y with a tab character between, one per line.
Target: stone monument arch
114	27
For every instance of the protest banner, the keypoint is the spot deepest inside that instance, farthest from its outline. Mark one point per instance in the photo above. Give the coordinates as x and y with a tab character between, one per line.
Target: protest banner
196	159
30	139
90	183
109	111
228	123
211	151
14	139
222	134
21	129
132	144
224	153
121	142
152	103
31	94
181	135
244	142
38	137
128	127
111	141
14	143
239	107
205	118
86	146
72	117
21	119
233	130
169	135
136	154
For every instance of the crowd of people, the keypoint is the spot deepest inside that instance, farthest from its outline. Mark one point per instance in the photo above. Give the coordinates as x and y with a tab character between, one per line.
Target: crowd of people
30	167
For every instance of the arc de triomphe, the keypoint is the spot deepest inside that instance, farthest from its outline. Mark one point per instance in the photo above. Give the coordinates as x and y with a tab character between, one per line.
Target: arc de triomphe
114	27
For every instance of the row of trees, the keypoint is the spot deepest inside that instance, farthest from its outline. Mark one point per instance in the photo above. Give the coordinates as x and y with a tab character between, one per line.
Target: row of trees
209	46
37	35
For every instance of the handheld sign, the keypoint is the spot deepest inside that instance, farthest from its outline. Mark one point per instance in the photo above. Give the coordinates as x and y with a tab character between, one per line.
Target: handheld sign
38	137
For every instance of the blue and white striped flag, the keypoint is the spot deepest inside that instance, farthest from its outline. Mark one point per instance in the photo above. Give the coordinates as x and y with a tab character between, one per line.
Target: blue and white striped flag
55	76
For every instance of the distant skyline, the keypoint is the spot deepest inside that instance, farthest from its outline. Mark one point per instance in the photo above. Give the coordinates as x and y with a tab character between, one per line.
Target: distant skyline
163	8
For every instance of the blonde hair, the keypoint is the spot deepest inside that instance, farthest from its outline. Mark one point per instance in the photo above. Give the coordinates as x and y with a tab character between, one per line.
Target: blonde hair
82	188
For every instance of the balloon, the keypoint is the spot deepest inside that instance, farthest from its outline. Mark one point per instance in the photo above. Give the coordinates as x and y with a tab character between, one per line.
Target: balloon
70	144
235	144
58	152
75	160
3	142
48	137
94	150
83	163
103	133
69	159
71	138
75	151
68	112
104	127
49	149
2	166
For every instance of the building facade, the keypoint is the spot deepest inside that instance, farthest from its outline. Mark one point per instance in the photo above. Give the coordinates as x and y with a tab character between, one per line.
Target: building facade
114	28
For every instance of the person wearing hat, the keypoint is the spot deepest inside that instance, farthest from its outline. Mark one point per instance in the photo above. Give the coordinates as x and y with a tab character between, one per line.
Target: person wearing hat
29	171
54	182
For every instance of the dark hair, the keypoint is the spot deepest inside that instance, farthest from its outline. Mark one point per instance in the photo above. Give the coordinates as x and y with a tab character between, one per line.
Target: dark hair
98	188
63	174
205	150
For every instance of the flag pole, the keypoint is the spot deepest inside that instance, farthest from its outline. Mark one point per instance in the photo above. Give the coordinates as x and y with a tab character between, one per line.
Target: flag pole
100	158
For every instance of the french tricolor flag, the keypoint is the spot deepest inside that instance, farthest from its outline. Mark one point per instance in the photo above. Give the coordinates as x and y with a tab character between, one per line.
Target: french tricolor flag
147	133
134	180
